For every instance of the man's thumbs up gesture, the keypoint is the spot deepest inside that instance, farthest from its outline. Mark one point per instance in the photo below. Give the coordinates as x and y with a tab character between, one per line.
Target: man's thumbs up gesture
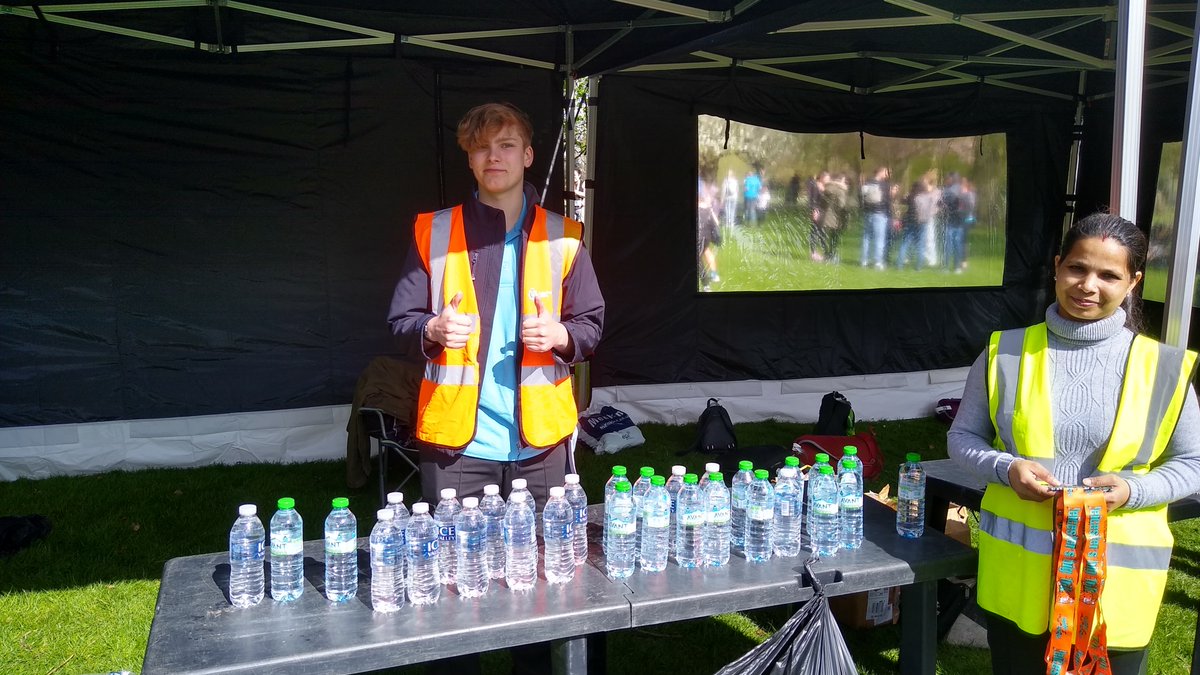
542	333
450	329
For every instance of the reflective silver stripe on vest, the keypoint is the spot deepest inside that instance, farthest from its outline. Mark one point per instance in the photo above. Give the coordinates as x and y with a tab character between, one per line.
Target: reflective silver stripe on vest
452	375
535	375
555	231
439	248
1028	538
1008	369
1139	557
1166	377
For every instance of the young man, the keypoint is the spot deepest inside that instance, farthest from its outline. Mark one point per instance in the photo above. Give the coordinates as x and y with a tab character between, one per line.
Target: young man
497	298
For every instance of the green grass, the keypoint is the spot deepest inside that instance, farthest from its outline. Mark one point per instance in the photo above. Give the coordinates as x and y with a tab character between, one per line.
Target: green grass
774	256
81	601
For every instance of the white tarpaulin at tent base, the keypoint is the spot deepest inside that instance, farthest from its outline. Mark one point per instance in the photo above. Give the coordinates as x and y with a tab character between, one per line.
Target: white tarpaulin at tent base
309	434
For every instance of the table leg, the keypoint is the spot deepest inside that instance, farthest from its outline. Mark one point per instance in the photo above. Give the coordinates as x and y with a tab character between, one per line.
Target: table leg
918	628
569	656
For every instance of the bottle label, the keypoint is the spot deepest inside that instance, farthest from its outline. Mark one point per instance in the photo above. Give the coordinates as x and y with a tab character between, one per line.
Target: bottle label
622	527
383	554
253	550
561	532
692	519
852	502
446	533
674	503
910	491
719	516
825	508
335	544
581	515
785	509
739	501
658	520
760	513
428	549
282	544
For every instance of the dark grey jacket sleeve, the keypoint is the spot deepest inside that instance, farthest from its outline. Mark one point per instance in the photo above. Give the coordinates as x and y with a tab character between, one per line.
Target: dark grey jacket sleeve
411	309
582	309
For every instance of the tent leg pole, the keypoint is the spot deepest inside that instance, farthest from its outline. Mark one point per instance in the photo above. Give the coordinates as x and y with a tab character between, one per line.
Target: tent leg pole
918	628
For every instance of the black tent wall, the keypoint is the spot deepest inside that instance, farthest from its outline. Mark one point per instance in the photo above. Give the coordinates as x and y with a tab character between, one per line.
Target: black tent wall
187	234
659	329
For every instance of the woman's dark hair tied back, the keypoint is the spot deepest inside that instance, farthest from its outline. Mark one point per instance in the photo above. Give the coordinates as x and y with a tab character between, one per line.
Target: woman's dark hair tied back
1130	237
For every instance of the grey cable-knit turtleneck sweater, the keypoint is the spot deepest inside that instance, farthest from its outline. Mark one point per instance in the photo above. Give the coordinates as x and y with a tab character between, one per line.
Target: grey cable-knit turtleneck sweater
1087	366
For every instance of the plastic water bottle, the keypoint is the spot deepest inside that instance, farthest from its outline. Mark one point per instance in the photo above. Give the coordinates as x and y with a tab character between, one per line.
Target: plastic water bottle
341	552
395	502
522	486
825	526
558	534
760	517
492	506
709	469
577	498
850	452
656	526
387	593
910	498
444	515
789	513
715	537
520	543
820	459
470	531
618	476
740	500
247	544
693	511
850	506
287	552
620	527
640	487
792	461
674	485
424	586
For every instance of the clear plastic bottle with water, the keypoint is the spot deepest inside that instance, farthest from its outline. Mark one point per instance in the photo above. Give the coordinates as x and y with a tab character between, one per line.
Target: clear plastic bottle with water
395	502
739	501
709	469
492	506
689	535
850	452
760	518
715	537
424	584
521	486
789	513
850	506
577	498
618	476
656	526
470	531
910	498
674	485
792	461
520	543
287	552
820	459
387	593
247	552
640	487
826	533
558	535
341	552
443	515
620	527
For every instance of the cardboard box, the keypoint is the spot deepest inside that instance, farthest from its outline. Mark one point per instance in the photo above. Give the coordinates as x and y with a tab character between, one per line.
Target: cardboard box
868	609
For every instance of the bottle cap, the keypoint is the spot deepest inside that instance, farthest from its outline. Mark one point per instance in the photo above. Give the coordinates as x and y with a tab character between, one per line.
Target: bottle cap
619	470
420	508
658	480
849	451
690	479
791	460
248	510
385	514
623	486
912	457
822	458
788	472
341	503
286	503
761	474
492	489
712	467
449	493
571	479
745	465
646	471
716	477
395	497
848	464
518	497
519	483
826	470
556	492
470	502
678	470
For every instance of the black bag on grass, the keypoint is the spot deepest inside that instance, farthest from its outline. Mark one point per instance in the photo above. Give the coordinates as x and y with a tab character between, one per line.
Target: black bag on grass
714	430
836	417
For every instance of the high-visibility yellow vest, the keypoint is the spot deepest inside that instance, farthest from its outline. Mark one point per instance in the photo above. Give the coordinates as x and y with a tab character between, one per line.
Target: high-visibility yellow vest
449	398
1015	542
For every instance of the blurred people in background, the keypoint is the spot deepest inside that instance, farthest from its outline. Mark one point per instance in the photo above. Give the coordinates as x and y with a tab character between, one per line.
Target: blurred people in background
816	233
835	199
708	234
876	195
729	198
751	186
953	217
911	226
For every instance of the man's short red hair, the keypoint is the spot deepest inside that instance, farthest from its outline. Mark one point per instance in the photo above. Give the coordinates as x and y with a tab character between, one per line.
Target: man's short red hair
483	121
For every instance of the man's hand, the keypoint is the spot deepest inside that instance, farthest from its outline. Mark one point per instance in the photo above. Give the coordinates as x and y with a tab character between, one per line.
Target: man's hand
450	329
1117	496
1029	479
542	333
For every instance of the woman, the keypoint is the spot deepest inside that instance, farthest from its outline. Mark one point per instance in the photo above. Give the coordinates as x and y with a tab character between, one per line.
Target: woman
1058	424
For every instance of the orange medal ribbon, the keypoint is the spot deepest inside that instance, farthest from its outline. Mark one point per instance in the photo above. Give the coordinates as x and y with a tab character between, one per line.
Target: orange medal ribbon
1077	633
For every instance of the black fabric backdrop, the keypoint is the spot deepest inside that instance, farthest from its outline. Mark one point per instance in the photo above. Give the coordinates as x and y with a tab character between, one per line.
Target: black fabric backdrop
659	329
184	235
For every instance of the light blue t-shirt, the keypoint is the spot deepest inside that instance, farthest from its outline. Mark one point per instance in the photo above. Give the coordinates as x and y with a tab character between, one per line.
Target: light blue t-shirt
496	435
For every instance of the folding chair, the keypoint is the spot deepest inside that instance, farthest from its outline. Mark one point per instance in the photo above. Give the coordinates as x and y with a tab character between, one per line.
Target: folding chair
393	436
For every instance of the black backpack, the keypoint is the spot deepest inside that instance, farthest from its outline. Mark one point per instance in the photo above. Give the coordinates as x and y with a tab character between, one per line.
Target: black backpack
714	430
836	417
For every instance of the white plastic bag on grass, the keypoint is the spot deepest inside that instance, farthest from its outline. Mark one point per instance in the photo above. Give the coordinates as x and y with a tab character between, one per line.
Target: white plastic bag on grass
609	431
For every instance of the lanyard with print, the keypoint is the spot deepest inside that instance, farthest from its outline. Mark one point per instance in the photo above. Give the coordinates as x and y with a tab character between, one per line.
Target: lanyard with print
1077	633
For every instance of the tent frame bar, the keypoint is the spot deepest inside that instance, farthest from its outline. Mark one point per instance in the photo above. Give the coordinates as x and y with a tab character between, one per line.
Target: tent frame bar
1181	275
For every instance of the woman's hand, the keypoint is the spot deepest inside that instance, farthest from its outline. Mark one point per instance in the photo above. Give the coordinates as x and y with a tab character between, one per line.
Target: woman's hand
1030	479
1117	496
